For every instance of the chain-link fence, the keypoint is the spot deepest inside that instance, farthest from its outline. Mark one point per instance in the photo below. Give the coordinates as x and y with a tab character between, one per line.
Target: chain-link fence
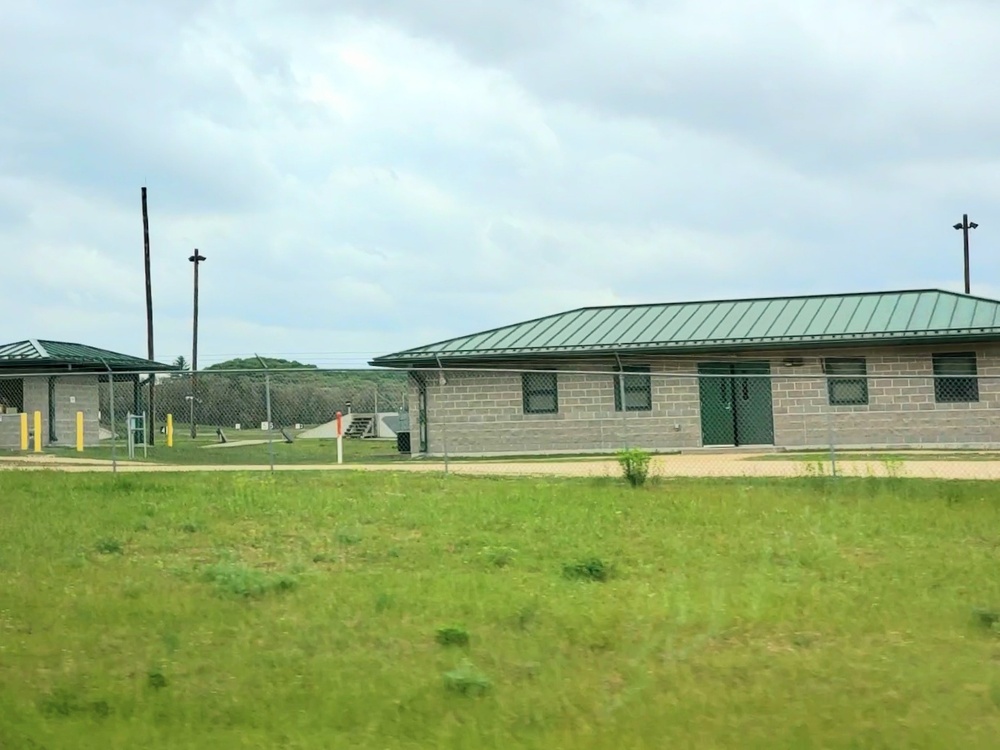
738	418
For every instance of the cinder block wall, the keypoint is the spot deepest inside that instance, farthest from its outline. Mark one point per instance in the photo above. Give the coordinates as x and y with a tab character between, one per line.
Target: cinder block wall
901	408
72	393
36	398
482	412
10	432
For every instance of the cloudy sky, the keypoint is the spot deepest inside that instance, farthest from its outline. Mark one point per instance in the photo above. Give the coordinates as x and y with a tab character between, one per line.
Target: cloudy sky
369	175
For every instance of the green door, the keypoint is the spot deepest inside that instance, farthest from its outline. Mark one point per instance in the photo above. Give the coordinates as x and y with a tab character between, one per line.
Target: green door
716	395
752	403
736	406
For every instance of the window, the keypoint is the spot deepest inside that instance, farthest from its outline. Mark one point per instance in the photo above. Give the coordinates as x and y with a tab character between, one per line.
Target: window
955	378
638	389
847	384
541	393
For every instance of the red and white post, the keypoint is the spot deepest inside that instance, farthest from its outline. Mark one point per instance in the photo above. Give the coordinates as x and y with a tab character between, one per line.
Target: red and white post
340	438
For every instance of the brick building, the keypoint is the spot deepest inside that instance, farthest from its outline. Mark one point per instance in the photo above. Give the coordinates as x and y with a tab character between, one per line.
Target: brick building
59	379
874	370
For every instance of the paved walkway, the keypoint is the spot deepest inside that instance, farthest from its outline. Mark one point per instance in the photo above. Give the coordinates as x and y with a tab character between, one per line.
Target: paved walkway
688	465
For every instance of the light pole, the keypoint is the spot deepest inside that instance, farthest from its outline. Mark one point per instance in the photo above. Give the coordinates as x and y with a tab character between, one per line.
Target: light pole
197	259
965	226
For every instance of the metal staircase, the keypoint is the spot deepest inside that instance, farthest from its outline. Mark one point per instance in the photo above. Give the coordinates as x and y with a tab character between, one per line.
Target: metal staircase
361	426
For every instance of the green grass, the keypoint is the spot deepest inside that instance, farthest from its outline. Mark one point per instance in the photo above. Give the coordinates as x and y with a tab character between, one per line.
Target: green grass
417	611
187	451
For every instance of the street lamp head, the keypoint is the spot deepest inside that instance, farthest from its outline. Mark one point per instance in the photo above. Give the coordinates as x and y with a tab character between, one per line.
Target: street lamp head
957	226
973	225
197	257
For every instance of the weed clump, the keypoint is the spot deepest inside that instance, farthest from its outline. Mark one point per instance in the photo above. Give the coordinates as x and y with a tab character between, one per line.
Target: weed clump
348	537
499	557
65	703
467	680
635	466
987	618
156	679
245	582
452	637
593	569
110	547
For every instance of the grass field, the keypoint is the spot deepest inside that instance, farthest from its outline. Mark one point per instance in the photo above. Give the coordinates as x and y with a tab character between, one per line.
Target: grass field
410	611
205	450
198	451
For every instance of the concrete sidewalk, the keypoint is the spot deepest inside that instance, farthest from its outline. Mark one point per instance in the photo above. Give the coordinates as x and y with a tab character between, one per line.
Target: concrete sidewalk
714	465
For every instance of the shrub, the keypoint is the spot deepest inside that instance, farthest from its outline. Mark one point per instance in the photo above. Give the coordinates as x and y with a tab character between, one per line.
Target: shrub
635	465
594	569
452	637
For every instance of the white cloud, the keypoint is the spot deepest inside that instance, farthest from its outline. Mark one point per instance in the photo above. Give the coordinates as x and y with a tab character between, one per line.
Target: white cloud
374	175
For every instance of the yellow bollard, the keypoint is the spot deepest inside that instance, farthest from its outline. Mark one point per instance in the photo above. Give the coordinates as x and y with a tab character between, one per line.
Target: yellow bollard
38	432
24	431
79	431
170	430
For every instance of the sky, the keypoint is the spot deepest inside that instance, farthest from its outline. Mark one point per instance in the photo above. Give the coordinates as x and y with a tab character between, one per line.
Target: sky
367	176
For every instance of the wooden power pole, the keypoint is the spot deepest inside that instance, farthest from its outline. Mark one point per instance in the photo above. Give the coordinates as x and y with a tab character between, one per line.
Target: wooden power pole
149	320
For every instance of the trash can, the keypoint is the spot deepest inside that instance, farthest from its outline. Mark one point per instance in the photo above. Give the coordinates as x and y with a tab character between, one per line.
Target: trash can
403	442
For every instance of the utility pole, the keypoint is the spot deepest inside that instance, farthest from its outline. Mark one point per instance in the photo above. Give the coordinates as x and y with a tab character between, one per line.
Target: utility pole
149	318
197	258
965	226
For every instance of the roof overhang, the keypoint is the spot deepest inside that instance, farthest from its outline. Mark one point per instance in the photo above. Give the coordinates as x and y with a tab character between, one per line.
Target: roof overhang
55	367
453	358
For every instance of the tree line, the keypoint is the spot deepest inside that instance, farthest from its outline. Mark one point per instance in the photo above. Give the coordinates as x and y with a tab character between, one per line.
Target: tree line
234	392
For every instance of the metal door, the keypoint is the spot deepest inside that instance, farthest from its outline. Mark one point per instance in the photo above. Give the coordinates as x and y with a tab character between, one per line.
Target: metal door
736	403
718	427
753	410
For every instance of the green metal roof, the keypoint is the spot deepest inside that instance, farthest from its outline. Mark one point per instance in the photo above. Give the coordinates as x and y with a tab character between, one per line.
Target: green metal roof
41	355
903	316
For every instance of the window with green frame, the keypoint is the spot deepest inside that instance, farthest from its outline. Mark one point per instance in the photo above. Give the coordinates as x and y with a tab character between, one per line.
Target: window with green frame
846	380
638	388
540	392
955	378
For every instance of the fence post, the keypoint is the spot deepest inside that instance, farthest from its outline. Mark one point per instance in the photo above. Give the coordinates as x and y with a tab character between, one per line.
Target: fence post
114	430
442	381
340	438
170	431
24	431
79	432
621	398
267	400
831	439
